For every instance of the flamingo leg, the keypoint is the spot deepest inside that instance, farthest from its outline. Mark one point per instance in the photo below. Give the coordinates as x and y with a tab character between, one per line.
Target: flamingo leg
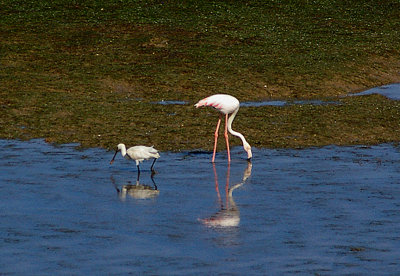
217	186
227	138
228	172
216	138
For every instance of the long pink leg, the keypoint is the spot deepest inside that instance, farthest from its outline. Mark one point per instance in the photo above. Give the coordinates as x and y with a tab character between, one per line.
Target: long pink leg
228	172
216	138
226	138
216	184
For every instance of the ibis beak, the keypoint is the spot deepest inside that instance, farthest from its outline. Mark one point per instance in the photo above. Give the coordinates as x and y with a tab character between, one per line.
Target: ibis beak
112	160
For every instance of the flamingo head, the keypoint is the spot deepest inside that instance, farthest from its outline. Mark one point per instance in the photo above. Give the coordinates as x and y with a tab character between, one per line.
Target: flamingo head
247	148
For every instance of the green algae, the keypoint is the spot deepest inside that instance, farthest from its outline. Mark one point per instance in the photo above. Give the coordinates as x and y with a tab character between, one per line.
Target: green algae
89	72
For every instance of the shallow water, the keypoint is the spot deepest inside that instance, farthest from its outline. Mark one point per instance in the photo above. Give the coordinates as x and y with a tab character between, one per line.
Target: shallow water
171	102
390	91
284	103
330	210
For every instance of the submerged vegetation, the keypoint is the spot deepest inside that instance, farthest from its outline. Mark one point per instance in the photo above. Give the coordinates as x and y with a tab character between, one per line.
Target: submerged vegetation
89	71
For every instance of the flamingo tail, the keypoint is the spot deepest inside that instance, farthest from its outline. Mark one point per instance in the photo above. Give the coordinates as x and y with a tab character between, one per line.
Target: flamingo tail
207	102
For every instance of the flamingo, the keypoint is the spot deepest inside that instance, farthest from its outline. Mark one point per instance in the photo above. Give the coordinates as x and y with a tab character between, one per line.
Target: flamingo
228	106
137	153
228	216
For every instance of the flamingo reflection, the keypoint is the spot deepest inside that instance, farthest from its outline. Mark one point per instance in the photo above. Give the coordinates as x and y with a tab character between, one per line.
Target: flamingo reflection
228	216
137	191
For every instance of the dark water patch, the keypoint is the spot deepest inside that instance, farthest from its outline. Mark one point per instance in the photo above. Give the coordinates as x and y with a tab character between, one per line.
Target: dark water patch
197	152
391	91
263	103
171	102
330	210
285	103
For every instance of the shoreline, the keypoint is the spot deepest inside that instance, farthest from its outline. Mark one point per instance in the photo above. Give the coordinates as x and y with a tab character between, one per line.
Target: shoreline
361	120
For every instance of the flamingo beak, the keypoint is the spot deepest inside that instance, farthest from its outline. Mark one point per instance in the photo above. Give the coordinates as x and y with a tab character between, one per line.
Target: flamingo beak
249	154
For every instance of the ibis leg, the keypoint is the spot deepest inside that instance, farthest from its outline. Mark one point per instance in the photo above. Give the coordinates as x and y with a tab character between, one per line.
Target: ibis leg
152	165
138	172
154	183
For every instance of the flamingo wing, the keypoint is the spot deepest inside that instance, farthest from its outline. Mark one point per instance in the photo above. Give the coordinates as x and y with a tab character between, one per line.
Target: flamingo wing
226	104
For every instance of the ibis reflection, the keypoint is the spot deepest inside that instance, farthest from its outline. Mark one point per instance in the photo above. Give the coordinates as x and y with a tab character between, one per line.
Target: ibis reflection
137	191
229	215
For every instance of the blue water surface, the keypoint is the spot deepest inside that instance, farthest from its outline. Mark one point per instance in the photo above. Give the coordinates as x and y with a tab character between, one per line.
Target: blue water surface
390	91
330	210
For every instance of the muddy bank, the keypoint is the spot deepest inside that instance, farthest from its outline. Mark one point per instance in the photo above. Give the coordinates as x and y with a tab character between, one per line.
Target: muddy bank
105	122
94	75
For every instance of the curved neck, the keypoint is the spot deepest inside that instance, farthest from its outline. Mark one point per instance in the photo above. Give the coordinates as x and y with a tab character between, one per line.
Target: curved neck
231	131
123	150
232	203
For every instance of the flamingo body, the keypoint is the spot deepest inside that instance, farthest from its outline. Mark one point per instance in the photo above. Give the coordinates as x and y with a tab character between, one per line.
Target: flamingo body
228	106
137	153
